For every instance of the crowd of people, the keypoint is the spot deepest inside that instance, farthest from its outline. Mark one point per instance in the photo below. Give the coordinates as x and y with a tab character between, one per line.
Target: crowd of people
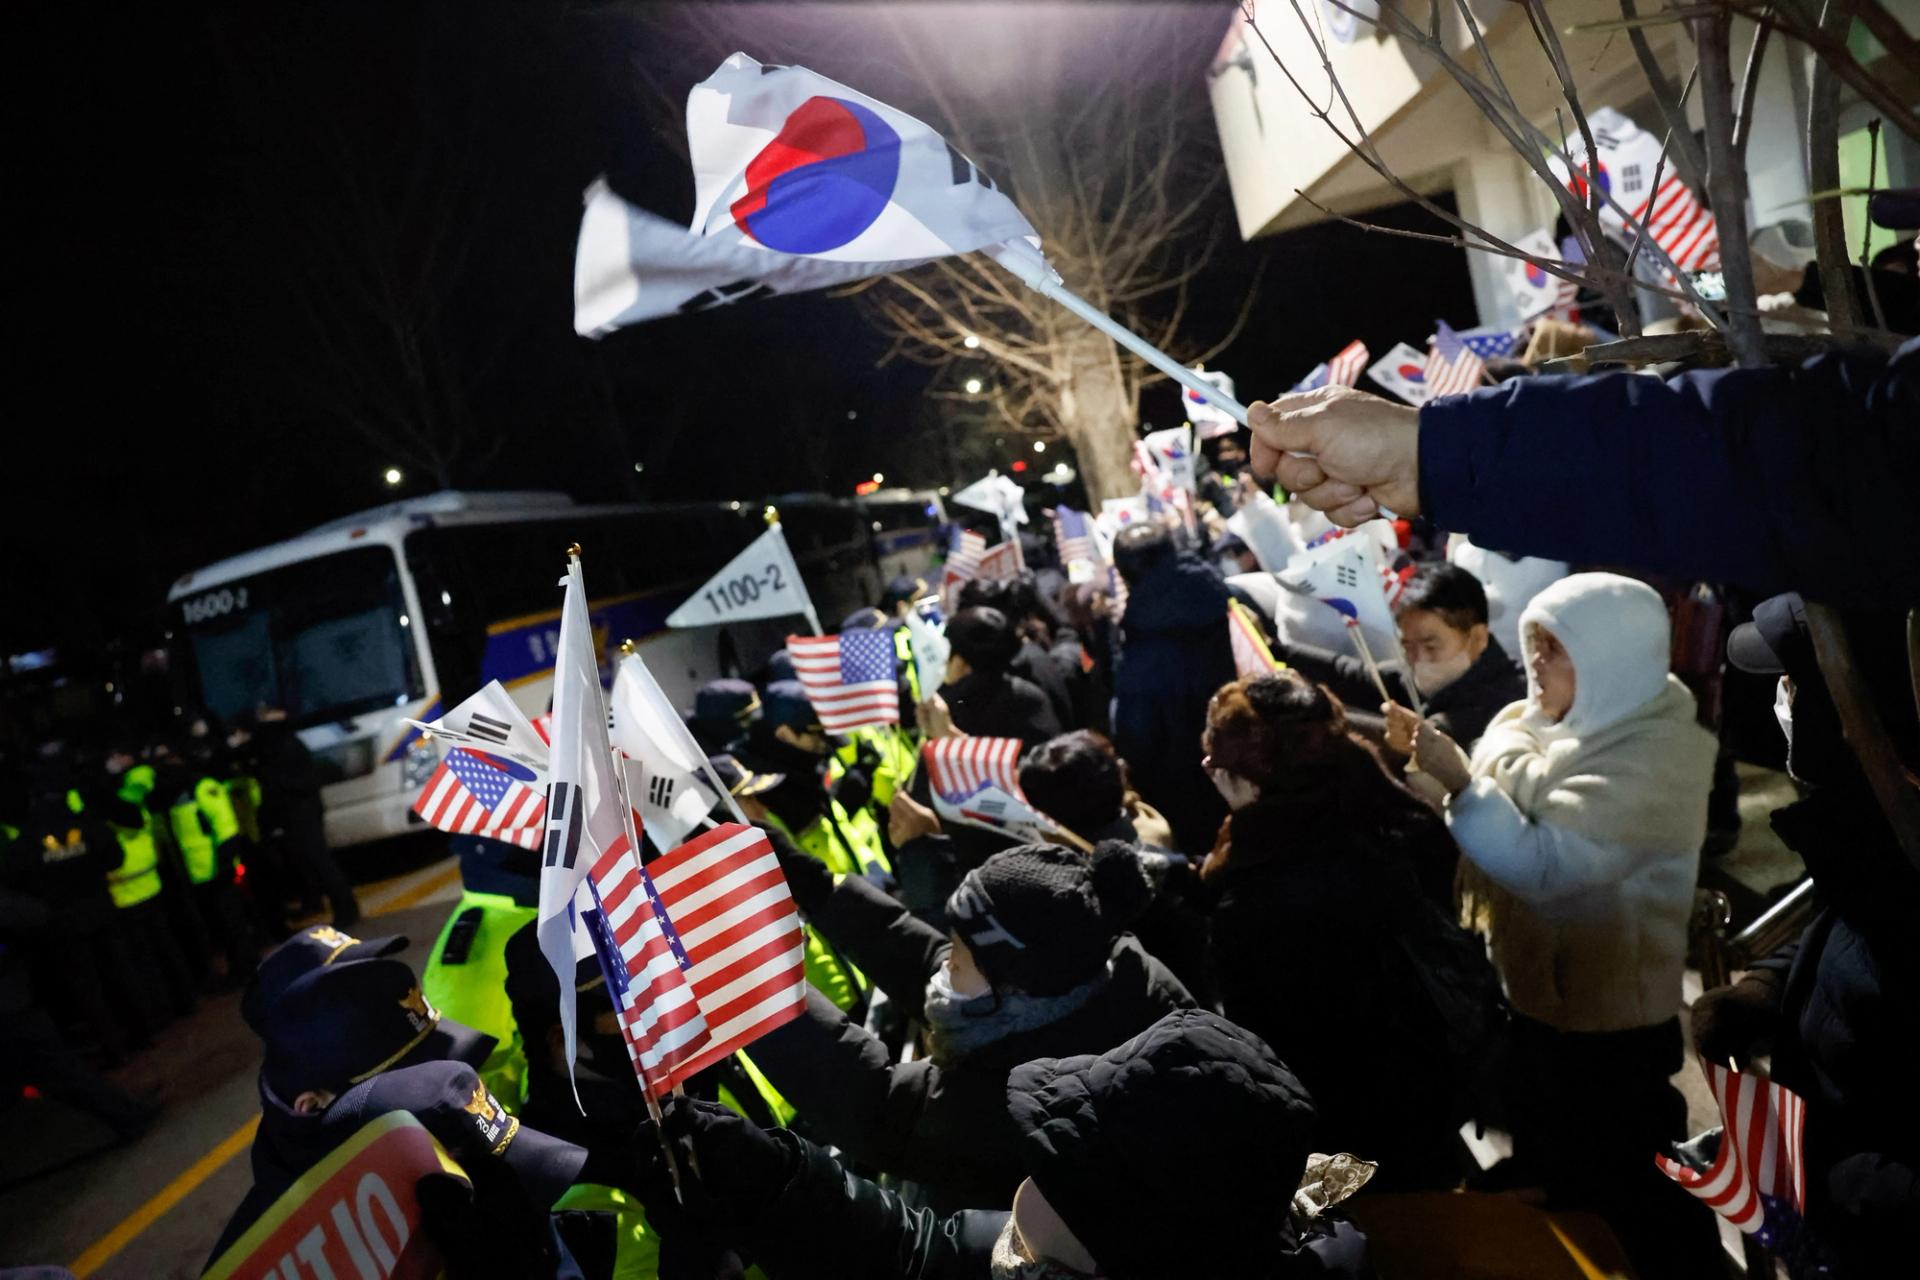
1302	930
137	876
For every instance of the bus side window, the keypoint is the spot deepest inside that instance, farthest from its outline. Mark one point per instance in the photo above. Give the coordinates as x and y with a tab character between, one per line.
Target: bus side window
456	631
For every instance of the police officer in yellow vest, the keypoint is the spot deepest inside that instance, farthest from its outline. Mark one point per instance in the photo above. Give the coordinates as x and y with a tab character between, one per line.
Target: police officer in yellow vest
467	968
201	819
788	740
135	884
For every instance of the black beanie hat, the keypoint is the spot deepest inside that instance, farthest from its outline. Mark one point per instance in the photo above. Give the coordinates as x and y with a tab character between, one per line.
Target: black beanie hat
1042	919
1113	1142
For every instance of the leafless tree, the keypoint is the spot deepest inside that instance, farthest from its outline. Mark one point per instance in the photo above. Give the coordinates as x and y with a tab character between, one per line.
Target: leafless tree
1118	174
1094	120
1714	164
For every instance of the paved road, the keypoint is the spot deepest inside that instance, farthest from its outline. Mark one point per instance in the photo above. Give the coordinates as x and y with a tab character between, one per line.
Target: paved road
153	1209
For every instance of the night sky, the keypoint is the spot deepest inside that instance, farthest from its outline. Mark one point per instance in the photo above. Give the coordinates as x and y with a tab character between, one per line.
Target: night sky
199	337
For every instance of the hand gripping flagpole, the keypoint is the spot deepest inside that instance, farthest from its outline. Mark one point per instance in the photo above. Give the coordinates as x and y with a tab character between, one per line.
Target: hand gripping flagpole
1028	263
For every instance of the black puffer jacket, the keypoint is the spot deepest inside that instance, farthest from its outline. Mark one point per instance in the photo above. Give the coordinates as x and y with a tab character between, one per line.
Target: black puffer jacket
1850	1016
990	704
1120	1144
1174	654
1314	946
943	1127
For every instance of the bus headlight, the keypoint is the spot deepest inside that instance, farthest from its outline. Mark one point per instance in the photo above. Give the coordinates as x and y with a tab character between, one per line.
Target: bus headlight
418	764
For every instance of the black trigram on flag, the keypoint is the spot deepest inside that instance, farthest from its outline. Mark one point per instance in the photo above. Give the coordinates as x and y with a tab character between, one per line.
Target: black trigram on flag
563	824
488	729
723	294
1346	575
965	170
660	791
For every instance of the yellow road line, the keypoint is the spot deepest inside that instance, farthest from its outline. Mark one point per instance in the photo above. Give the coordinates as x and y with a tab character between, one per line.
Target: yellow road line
420	892
103	1249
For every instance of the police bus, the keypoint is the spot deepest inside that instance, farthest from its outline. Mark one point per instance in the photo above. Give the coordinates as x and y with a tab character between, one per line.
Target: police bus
905	524
403	611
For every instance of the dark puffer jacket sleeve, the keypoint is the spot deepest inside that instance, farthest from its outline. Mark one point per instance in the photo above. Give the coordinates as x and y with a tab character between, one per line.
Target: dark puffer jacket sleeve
833	1225
895	949
1772	479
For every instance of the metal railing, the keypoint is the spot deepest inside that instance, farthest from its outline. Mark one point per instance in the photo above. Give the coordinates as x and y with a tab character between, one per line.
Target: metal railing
1721	954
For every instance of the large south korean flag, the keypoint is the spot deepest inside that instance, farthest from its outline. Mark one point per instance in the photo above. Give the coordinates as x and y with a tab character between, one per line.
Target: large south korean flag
800	183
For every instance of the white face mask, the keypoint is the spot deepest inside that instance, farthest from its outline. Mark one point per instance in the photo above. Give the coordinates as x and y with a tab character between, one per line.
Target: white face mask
1431	677
1783	710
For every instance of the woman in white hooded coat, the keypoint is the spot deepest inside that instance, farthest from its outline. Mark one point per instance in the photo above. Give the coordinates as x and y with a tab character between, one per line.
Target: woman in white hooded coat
1580	816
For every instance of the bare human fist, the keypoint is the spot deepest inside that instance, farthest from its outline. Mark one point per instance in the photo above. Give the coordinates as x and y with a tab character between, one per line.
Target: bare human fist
1341	451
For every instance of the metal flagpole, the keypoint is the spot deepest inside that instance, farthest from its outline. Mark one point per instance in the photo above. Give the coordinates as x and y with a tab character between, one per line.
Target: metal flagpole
1027	262
647	1090
772	517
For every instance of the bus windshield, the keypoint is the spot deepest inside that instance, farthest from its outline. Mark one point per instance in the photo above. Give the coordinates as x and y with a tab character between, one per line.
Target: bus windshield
323	639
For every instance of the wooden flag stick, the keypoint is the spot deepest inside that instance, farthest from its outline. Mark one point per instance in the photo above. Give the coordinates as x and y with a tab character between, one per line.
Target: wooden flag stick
1366	656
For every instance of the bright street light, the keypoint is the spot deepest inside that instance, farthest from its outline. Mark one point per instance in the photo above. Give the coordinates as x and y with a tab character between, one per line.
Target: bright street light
972	341
392	476
1039	446
973	386
877	477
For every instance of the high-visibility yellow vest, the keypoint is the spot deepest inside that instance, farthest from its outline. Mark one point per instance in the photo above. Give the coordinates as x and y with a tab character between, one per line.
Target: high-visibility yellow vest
138	877
243	791
472	987
636	1246
216	802
195	842
137	784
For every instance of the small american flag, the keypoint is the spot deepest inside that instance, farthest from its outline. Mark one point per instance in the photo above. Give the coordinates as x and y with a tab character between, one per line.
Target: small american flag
976	781
1681	226
1251	657
1456	360
958	767
1073	539
476	794
1760	1152
1001	561
740	935
1343	370
963	557
963	562
852	678
647	969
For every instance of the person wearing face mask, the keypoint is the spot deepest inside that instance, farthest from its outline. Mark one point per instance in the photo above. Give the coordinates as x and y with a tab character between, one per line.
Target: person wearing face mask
1462	672
1181	1152
1320	930
1838	1007
1580	815
1037	962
